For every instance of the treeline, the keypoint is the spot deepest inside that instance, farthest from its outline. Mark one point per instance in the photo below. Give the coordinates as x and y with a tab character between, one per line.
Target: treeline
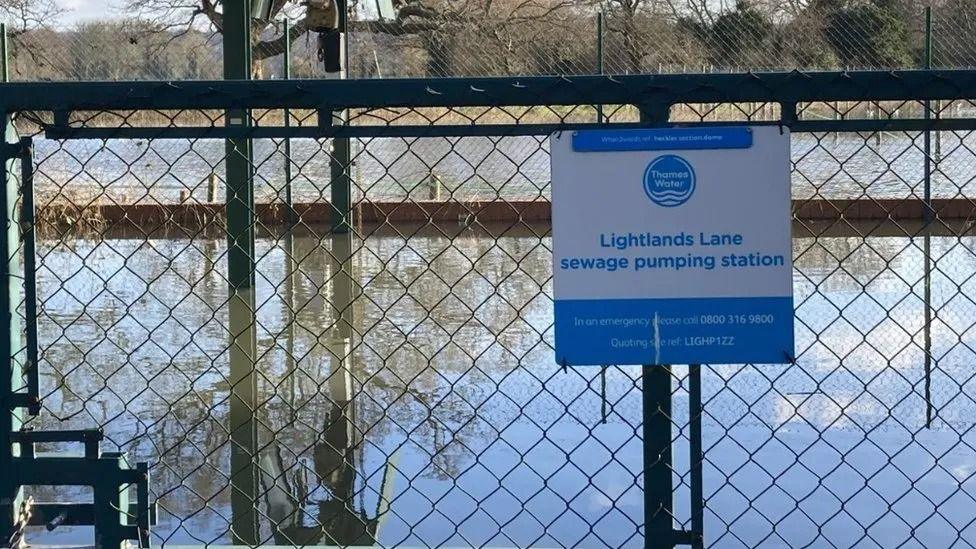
824	34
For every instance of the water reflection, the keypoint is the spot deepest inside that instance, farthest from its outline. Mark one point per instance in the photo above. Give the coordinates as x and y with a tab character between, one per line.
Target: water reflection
331	487
404	390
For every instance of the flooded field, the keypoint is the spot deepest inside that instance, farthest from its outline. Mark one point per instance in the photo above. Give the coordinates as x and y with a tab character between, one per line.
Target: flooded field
406	392
469	168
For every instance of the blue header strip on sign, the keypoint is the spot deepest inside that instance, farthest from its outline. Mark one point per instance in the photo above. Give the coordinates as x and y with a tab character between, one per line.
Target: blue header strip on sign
665	139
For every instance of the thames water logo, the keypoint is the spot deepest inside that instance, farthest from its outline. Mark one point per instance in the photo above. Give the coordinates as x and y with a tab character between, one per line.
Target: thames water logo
669	181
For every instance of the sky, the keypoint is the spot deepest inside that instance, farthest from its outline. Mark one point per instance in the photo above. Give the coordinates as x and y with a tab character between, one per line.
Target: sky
81	10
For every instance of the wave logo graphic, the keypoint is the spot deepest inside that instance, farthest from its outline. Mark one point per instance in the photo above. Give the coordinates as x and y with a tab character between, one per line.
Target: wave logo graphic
669	181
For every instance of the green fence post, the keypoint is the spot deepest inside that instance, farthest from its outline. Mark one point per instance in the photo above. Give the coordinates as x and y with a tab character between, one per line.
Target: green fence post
599	57
656	424
11	339
339	165
697	457
242	424
658	484
10	374
11	494
291	217
4	59
928	217
291	220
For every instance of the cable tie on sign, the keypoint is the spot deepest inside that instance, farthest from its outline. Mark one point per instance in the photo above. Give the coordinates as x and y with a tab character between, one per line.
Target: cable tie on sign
789	357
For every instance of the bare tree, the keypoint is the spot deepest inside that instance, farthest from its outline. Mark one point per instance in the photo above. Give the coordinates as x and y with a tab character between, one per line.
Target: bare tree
25	15
648	25
432	20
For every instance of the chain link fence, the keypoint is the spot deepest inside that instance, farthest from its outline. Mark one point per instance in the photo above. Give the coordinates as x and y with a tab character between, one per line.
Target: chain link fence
161	40
404	389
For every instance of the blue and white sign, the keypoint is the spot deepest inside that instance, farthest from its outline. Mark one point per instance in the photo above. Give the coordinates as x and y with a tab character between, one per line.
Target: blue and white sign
672	255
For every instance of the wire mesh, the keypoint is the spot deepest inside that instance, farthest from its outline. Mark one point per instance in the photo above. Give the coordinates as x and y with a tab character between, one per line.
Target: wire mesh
165	40
404	389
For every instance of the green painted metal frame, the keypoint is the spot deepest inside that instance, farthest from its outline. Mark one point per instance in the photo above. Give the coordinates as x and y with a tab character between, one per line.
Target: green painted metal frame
331	95
12	398
109	475
653	95
239	173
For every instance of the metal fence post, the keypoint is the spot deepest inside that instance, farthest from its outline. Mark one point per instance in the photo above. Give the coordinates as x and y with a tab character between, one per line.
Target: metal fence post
697	457
339	164
11	494
928	217
658	487
4	60
599	57
289	201
242	424
656	426
10	374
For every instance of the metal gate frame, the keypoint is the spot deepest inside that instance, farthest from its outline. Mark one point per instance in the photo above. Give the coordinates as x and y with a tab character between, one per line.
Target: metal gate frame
653	96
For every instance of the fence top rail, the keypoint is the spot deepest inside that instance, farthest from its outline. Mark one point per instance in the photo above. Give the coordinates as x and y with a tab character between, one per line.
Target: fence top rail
642	90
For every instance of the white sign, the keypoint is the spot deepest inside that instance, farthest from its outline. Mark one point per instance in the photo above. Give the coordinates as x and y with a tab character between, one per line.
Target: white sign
672	246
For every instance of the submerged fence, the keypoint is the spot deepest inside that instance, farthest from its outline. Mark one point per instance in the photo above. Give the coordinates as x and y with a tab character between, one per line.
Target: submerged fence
326	333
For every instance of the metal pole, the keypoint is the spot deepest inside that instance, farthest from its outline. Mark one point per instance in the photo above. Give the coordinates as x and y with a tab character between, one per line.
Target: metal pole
658	488
928	217
599	57
291	218
11	378
11	374
927	136
4	62
239	155
292	264
240	268
697	457
656	426
341	182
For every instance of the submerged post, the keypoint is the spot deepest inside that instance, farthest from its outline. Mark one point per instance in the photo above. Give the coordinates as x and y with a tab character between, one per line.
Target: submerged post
242	424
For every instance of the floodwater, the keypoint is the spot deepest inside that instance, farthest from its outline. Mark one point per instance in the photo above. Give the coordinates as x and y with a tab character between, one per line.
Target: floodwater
469	168
406	393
